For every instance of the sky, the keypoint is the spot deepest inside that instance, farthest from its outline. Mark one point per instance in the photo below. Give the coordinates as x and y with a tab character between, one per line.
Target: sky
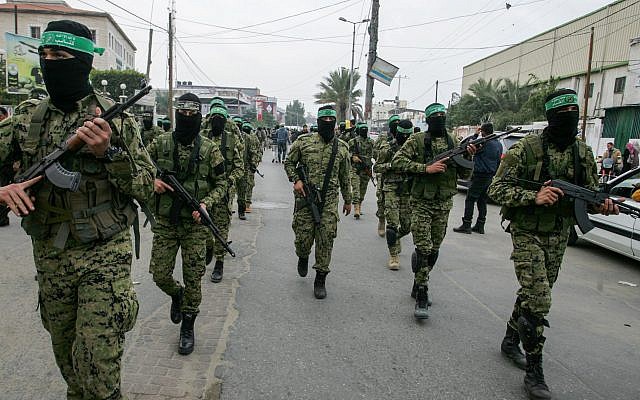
287	47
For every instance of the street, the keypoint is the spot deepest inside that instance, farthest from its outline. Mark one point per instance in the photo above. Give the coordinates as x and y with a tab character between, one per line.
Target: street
262	335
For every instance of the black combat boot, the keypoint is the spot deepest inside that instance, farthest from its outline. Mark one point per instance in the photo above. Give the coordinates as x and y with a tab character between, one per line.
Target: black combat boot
303	266
392	235
478	227
464	228
187	336
218	270
318	285
534	382
176	304
241	211
510	348
422	298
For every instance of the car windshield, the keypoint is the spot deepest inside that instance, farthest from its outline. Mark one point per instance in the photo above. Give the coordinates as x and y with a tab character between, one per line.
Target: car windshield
510	141
626	187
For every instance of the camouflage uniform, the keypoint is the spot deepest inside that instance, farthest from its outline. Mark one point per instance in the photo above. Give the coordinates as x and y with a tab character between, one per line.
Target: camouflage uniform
397	211
241	183
86	296
363	148
431	197
539	234
254	150
149	134
205	180
379	183
314	153
232	153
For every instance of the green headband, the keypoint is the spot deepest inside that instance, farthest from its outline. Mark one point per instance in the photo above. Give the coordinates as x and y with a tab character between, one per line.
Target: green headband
327	112
188	105
220	111
392	118
434	108
70	41
561	101
247	124
237	119
408	131
217	102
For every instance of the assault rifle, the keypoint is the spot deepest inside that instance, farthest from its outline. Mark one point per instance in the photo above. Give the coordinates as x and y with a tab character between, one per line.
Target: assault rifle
258	172
181	193
457	153
364	165
50	165
582	198
312	194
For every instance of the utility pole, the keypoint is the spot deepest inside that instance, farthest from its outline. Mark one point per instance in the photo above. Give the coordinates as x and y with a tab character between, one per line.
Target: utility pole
436	91
586	89
149	53
400	78
15	19
353	51
238	102
373	52
171	32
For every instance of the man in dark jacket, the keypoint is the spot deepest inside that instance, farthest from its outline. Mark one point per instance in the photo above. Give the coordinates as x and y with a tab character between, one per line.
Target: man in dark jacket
486	163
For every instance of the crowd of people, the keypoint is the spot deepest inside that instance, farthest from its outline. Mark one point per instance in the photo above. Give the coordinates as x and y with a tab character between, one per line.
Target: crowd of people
81	239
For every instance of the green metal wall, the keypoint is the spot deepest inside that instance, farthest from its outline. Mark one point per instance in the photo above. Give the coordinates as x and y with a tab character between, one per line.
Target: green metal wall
623	124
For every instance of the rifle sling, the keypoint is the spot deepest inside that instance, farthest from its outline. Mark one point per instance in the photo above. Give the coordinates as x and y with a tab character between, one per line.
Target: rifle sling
327	174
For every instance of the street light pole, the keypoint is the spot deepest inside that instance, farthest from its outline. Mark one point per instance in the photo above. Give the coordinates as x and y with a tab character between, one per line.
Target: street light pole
353	50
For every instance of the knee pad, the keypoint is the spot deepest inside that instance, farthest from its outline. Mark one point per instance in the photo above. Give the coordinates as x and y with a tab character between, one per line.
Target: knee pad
392	235
432	258
528	325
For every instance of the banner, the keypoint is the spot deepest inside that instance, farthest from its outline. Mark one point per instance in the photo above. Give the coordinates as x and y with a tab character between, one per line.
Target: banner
383	71
23	64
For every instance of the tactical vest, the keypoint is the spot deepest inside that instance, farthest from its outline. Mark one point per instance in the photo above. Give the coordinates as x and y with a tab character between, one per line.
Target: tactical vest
560	215
434	186
196	182
98	210
227	148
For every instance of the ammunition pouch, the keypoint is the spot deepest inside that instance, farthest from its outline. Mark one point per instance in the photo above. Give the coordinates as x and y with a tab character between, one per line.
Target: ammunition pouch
432	258
392	235
528	331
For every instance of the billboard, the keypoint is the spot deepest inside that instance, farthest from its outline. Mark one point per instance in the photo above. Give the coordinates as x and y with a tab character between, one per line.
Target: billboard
383	71
23	64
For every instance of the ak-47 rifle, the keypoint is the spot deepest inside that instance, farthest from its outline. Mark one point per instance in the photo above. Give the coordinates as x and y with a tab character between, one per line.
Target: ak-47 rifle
582	198
457	153
258	172
179	191
312	194
364	164
50	165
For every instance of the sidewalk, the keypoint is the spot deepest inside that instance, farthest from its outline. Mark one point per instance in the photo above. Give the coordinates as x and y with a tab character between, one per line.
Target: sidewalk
152	367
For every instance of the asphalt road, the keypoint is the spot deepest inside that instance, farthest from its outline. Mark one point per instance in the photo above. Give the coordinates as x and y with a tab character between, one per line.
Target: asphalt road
363	342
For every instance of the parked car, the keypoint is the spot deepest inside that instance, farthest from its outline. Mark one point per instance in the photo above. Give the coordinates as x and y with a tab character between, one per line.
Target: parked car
619	233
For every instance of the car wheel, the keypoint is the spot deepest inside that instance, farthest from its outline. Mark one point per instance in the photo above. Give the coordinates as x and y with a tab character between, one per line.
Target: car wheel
573	236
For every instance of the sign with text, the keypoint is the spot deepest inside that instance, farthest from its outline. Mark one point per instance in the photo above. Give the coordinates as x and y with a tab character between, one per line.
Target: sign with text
383	71
23	64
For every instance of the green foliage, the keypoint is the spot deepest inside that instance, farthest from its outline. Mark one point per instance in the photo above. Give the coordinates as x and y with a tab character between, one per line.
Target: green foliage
503	102
162	102
268	120
335	90
294	113
133	79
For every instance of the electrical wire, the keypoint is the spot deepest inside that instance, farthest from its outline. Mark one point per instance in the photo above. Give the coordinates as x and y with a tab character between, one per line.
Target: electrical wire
195	64
135	15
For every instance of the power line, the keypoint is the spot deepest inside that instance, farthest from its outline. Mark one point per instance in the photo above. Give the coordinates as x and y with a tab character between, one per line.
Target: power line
194	63
135	15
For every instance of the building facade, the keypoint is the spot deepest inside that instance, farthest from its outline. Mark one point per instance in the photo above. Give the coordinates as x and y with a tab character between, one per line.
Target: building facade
30	18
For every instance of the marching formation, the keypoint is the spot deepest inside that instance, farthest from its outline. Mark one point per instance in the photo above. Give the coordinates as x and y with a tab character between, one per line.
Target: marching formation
187	180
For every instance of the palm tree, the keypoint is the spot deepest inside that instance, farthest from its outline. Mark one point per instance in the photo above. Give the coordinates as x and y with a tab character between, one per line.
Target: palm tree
513	95
335	89
488	93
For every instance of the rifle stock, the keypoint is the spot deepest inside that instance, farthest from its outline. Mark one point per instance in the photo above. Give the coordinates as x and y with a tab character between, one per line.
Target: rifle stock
311	194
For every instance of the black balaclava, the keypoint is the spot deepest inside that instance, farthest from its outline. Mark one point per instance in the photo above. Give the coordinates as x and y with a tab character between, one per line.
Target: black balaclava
362	131
437	125
246	129
67	81
563	126
147	121
187	127
326	128
342	127
402	137
217	125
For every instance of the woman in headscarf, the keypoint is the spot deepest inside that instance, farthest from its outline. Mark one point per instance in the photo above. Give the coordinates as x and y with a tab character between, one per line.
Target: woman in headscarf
630	157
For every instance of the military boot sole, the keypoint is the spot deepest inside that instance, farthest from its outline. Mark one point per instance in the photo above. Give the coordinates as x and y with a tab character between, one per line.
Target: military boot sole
185	351
216	278
537	392
421	313
467	231
519	361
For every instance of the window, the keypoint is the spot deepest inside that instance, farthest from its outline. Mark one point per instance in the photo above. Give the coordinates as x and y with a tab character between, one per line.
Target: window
35	32
590	90
619	85
93	35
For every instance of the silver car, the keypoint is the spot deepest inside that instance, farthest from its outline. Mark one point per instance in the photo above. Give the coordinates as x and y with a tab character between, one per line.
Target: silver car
619	233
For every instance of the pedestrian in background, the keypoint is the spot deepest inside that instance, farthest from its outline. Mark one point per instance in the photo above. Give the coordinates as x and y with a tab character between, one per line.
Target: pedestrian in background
630	157
282	135
485	165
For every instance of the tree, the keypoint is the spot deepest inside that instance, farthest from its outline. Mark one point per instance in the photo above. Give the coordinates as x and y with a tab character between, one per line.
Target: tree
294	114
335	90
133	79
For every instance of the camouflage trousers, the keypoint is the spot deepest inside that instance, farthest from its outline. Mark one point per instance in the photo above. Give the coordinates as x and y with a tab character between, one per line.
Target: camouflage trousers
428	227
536	259
307	233
87	303
251	183
191	239
359	184
380	196
397	212
242	191
221	216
